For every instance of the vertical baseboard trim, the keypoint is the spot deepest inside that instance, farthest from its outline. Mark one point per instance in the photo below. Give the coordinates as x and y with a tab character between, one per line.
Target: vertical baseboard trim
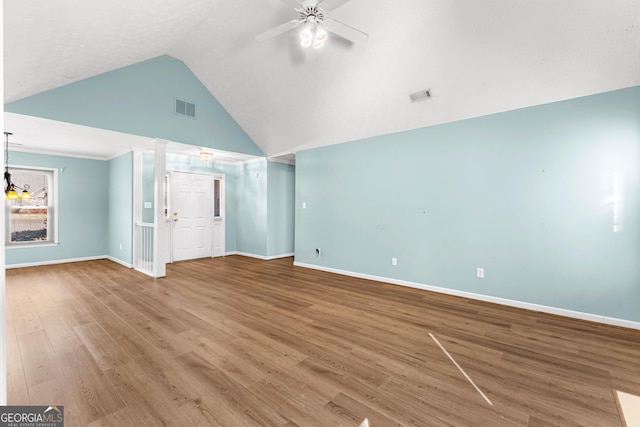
496	300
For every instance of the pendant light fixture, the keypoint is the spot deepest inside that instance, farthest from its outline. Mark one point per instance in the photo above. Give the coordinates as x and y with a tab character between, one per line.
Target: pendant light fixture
206	155
25	193
10	188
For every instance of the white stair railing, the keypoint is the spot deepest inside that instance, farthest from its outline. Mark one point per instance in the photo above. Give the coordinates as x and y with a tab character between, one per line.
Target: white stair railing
144	244
151	240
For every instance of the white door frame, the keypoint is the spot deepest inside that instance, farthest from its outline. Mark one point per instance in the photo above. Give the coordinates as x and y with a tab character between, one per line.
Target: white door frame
169	209
219	221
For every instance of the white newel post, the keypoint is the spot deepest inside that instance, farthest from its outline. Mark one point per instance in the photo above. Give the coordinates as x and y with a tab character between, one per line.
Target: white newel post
160	233
137	207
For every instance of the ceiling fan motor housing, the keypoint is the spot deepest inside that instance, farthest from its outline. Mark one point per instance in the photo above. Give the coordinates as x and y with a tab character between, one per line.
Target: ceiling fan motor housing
313	14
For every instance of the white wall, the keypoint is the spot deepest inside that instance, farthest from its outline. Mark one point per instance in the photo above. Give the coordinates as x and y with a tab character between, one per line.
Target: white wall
3	326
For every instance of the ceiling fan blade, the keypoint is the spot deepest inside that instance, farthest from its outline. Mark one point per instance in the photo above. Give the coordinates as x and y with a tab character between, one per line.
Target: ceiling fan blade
345	31
294	4
276	31
331	5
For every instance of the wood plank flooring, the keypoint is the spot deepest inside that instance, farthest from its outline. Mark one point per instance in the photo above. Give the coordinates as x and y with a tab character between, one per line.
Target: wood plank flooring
236	341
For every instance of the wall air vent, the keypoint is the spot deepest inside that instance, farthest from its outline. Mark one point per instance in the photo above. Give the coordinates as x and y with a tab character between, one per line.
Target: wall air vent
185	108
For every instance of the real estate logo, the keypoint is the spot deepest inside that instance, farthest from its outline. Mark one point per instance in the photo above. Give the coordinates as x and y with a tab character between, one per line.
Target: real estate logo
31	416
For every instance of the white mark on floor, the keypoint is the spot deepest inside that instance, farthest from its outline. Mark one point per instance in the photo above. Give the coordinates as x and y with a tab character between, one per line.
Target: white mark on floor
461	370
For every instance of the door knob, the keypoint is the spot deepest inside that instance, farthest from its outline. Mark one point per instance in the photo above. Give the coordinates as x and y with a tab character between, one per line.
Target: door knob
175	219
175	214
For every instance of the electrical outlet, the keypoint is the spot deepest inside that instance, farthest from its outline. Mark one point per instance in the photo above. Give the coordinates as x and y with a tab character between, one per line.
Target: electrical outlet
120	246
394	261
480	273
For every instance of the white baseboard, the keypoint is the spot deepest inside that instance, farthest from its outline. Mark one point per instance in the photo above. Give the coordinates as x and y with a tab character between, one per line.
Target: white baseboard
55	261
68	260
262	257
119	261
497	300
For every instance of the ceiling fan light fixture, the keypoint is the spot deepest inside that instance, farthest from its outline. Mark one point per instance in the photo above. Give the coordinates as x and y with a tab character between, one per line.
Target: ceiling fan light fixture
307	34
307	30
313	34
315	25
321	34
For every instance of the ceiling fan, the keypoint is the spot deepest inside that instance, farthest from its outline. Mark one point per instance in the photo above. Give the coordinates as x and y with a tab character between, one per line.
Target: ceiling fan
315	24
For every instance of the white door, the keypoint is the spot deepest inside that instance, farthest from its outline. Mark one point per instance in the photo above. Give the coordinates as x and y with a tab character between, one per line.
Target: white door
191	219
218	216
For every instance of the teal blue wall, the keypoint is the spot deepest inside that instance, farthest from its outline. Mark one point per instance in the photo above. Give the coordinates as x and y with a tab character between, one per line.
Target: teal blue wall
83	209
120	208
104	191
280	208
139	99
526	194
148	187
252	208
265	208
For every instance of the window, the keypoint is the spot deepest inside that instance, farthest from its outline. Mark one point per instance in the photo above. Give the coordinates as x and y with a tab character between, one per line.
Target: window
32	221
167	196
216	198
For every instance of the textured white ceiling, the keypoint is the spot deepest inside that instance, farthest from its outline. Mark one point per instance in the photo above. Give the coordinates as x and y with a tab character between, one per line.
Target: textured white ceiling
477	57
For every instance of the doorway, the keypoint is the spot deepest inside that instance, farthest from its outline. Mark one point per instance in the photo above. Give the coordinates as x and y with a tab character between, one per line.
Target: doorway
197	216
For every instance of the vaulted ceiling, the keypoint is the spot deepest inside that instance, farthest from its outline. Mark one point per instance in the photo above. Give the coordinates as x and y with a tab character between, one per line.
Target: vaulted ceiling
477	57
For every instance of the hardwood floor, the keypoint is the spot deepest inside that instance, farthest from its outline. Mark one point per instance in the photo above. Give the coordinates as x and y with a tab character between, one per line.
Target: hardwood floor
241	342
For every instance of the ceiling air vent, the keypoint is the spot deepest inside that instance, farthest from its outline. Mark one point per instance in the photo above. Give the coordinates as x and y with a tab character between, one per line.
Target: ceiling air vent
420	96
185	108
